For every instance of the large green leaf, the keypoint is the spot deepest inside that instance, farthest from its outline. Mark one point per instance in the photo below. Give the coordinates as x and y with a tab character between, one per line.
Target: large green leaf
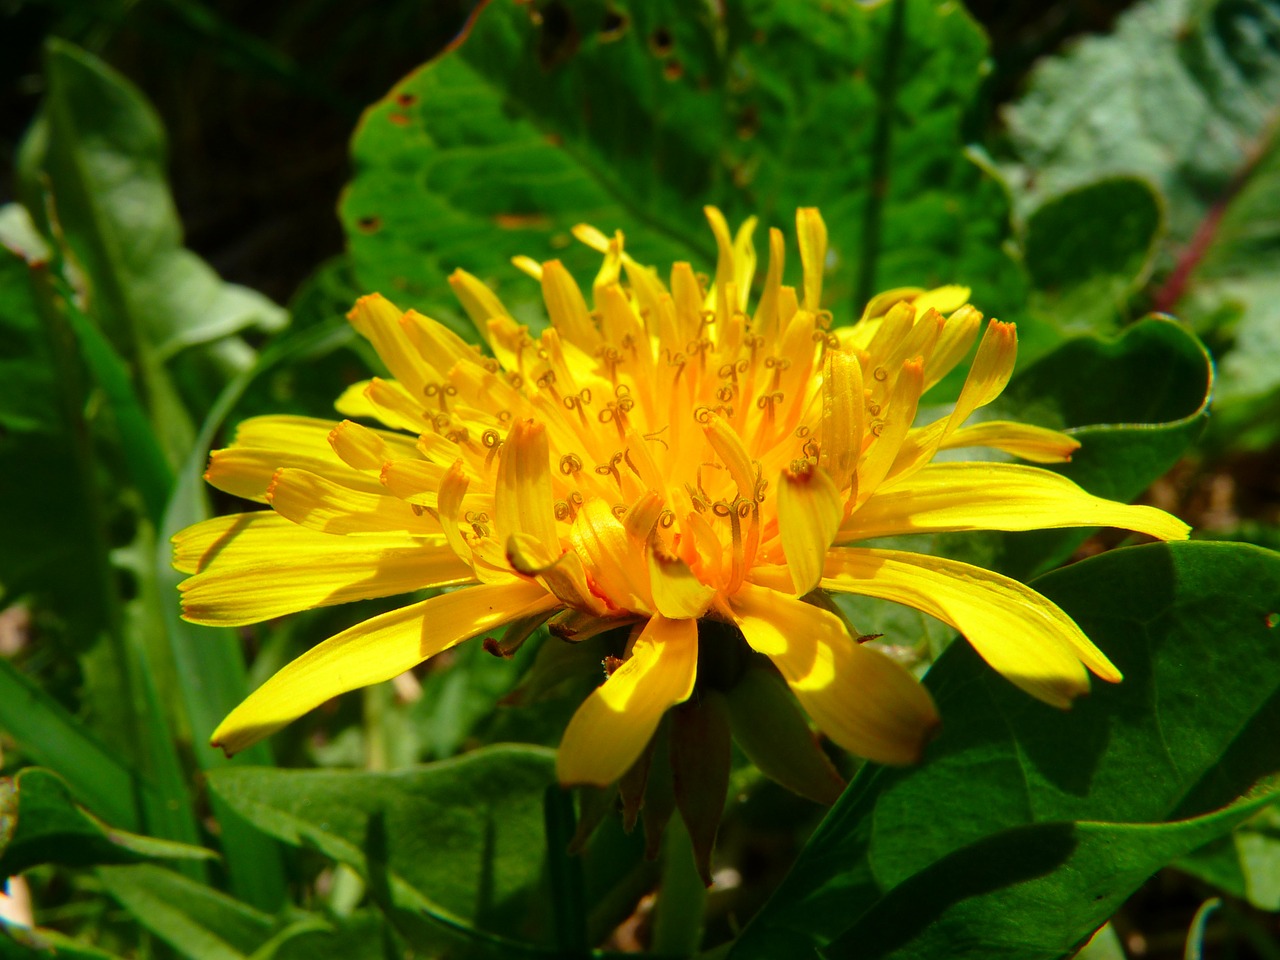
992	898
460	841
1187	94
634	115
1089	250
1178	92
41	823
1194	724
99	149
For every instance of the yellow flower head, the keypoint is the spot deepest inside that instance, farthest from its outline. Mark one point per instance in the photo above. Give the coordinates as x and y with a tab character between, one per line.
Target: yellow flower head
664	456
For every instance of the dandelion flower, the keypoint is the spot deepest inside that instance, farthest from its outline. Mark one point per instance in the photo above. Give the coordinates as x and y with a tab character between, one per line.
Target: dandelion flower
665	458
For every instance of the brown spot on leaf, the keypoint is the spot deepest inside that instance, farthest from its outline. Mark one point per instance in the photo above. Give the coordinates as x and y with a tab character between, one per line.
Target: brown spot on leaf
522	221
399	118
406	99
369	224
673	69
559	39
661	42
613	26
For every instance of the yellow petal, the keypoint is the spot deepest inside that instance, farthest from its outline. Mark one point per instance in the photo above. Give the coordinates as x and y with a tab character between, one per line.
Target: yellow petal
882	303
677	593
1037	444
528	265
566	307
378	321
312	501
613	560
354	401
362	448
765	321
523	501
373	651
247	471
812	234
861	699
724	250
1023	635
414	481
957	336
843	409
441	347
943	299
728	446
276	432
744	262
480	302
562	575
614	725
199	545
395	406
255	579
264	444
946	497
992	367
891	430
810	509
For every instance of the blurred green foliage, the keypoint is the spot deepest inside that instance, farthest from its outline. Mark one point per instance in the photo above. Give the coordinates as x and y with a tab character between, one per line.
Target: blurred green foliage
1135	172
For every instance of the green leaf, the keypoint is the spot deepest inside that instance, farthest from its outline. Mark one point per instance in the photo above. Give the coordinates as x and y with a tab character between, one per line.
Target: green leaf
1136	403
1186	94
1089	250
41	823
632	116
1245	864
1187	732
198	921
48	508
1105	945
1178	92
991	898
100	150
460	841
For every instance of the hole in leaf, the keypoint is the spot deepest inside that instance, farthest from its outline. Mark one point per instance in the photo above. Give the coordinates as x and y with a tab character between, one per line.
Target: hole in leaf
613	26
406	99
559	38
661	42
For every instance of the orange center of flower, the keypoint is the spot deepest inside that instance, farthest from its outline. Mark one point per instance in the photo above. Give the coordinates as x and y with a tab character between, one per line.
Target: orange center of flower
644	455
